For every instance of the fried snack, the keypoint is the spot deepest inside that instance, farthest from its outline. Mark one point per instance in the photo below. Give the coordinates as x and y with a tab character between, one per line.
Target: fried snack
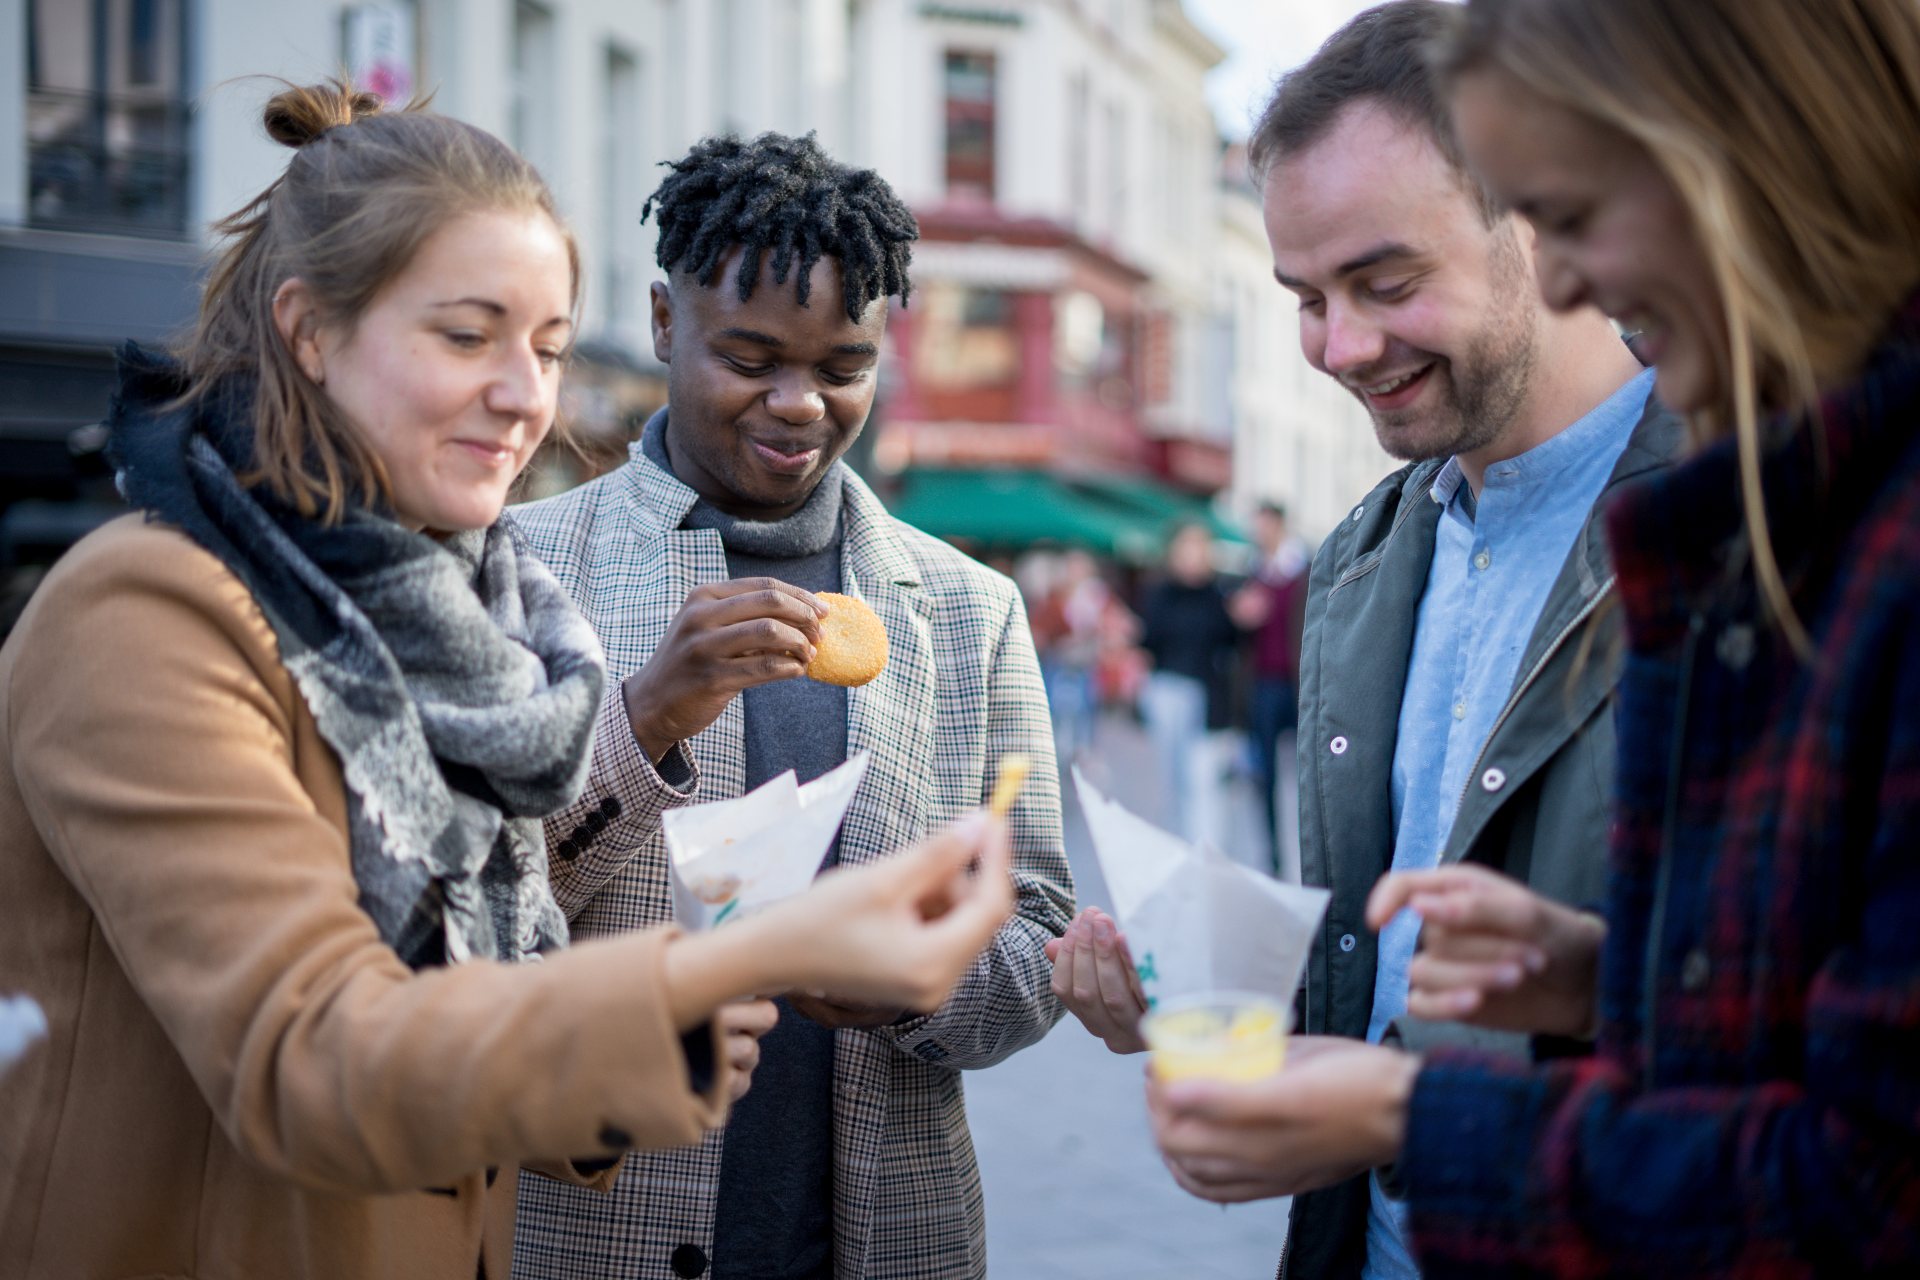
1014	769
714	890
853	644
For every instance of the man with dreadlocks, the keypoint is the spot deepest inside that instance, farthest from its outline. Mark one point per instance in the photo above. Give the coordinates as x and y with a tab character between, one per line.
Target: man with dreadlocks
697	562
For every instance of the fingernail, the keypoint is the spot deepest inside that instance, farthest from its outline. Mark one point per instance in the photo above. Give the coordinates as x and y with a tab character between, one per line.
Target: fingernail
1507	975
1535	960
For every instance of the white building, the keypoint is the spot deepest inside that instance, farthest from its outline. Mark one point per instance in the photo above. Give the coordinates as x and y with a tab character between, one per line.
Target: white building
127	126
1098	123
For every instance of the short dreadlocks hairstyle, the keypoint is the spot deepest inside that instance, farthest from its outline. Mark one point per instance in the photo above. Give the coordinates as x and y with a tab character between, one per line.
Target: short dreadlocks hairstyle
784	195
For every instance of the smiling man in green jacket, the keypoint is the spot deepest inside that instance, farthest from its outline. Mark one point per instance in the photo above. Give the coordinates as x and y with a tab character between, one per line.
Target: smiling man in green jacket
1460	654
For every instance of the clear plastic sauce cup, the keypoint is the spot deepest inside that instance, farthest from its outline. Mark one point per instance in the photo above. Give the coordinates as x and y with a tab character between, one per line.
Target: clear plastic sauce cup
1237	1036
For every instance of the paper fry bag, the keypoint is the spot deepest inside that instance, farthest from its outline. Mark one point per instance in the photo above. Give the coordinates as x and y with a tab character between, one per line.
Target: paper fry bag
1196	920
732	856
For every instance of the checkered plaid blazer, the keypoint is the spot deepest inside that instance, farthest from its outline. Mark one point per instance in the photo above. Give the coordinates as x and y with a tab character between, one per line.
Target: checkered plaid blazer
961	688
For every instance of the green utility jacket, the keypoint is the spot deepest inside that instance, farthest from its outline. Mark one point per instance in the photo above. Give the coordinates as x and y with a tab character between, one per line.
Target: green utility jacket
1536	802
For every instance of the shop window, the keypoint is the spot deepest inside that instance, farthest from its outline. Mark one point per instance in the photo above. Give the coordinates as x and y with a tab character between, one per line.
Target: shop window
970	91
967	340
107	116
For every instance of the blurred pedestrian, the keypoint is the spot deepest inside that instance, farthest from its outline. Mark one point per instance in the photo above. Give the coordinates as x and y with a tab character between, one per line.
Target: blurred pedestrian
1070	630
1191	639
1272	605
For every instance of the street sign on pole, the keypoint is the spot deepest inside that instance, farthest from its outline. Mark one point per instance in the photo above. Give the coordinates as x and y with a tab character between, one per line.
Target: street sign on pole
379	49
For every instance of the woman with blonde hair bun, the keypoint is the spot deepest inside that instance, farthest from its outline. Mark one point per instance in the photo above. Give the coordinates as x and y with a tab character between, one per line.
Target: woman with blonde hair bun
275	757
1739	182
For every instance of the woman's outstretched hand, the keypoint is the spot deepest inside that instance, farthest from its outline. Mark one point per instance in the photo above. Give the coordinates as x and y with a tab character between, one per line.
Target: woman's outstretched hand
902	931
1493	953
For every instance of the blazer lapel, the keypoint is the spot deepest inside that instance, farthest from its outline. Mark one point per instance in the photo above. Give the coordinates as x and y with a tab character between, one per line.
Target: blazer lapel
891	717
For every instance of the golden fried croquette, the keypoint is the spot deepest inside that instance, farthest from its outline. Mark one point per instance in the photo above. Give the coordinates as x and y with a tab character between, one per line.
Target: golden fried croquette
853	644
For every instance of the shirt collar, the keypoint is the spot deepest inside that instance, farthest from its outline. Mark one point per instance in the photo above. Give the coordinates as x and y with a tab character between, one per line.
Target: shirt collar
1448	482
1602	429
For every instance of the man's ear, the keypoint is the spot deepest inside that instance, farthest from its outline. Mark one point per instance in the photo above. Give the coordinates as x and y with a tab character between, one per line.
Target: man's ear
662	314
297	317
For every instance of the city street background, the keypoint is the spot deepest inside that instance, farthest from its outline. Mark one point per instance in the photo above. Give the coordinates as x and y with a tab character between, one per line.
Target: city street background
1074	1187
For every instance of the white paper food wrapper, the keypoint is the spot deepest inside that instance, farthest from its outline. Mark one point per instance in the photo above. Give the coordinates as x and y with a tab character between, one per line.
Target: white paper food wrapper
21	1023
733	856
1195	919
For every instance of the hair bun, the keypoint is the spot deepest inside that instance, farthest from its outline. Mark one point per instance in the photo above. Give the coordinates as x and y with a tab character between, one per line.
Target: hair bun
301	113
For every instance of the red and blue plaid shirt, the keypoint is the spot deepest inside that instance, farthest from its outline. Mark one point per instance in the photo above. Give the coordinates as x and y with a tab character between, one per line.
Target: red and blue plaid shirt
1752	1108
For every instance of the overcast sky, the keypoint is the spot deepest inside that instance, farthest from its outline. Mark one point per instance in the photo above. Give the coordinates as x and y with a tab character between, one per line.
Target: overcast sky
1264	37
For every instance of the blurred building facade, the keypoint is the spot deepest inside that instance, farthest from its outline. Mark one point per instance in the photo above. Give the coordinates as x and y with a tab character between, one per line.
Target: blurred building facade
1094	321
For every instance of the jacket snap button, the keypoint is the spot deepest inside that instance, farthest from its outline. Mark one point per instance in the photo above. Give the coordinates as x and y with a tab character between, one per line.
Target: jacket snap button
1338	746
689	1260
1736	647
1357	513
1494	779
1348	942
1694	972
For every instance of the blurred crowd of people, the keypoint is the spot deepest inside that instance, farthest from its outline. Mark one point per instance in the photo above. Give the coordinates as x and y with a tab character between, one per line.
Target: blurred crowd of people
1202	650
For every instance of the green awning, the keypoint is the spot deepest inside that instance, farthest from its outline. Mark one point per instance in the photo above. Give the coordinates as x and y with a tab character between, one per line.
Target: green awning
1158	501
1128	520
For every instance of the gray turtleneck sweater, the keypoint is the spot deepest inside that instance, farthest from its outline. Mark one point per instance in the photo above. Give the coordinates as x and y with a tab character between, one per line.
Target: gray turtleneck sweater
774	1217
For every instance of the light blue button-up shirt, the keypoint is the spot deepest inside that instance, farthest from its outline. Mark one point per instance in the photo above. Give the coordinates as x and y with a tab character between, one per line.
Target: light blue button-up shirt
1494	563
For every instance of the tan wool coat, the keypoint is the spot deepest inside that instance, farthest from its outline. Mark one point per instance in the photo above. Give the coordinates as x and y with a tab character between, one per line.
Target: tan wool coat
241	1081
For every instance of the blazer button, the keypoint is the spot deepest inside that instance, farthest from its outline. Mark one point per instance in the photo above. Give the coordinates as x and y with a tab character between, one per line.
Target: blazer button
1339	745
689	1260
610	806
1493	779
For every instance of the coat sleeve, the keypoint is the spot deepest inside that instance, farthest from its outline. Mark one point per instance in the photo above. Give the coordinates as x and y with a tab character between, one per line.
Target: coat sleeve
1578	1170
617	817
152	734
1006	1002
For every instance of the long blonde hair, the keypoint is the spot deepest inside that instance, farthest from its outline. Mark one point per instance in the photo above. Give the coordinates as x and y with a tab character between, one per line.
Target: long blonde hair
1791	131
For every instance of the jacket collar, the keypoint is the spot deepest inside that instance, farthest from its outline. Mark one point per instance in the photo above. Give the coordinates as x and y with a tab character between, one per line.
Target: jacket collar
1657	440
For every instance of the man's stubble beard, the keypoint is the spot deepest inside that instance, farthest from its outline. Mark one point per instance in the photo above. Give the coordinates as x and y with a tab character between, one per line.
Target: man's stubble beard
1483	391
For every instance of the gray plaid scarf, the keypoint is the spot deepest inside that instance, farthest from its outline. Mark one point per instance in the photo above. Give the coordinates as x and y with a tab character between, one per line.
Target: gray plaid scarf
454	679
